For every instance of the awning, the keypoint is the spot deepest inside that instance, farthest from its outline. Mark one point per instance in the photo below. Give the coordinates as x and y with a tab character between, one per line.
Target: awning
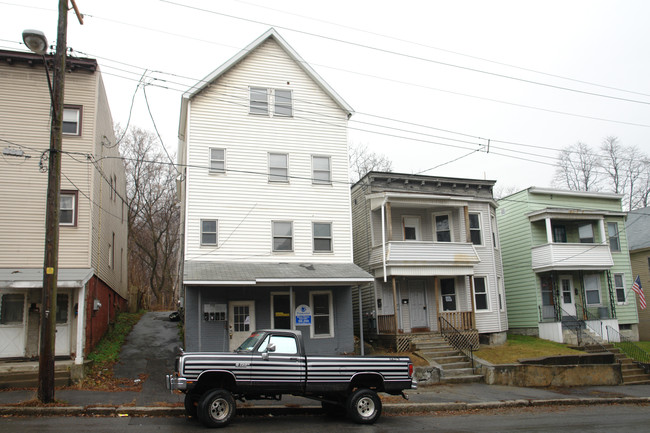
32	278
201	273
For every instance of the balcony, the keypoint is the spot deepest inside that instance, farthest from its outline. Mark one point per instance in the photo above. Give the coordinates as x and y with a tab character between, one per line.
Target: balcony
425	258
571	257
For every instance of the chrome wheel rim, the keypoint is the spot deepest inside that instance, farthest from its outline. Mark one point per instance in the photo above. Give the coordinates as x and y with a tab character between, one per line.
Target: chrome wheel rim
366	407
219	409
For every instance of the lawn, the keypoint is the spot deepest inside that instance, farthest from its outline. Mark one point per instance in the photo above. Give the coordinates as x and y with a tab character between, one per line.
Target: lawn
523	347
645	345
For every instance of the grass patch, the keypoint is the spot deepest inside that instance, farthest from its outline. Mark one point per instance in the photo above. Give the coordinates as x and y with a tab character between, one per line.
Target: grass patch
523	347
645	345
99	376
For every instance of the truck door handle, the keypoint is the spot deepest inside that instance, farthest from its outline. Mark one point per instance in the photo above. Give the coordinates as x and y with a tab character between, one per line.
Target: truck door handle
293	359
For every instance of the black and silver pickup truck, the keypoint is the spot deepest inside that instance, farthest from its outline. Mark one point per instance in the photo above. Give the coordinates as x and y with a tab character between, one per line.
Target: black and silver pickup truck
271	363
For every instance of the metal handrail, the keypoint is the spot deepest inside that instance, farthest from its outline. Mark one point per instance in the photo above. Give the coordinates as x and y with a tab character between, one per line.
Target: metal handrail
456	339
628	347
580	335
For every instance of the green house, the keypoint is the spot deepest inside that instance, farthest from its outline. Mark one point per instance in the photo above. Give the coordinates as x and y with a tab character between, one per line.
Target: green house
566	265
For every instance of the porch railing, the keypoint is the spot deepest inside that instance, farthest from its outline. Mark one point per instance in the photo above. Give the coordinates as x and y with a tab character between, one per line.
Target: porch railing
386	324
463	320
579	327
626	345
457	339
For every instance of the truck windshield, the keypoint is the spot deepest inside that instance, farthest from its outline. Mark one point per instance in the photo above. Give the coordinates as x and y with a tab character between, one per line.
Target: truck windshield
249	344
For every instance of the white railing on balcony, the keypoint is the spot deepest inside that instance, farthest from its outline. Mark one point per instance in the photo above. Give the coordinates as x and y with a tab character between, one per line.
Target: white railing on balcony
557	256
426	253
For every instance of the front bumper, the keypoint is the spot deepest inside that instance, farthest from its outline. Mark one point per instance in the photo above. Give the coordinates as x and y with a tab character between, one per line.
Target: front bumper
174	382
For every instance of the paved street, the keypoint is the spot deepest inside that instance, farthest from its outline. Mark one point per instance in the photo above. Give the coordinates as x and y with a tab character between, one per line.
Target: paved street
587	419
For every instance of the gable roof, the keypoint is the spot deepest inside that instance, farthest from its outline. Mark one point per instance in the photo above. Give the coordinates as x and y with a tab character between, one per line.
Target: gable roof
269	34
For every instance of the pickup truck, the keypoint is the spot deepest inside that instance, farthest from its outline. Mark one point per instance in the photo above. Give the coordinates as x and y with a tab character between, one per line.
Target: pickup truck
271	363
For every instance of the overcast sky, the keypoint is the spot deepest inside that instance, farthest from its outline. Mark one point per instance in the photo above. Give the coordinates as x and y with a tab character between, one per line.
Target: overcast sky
431	81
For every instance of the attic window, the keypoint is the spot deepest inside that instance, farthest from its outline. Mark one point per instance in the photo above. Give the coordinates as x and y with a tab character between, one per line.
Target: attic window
280	100
259	101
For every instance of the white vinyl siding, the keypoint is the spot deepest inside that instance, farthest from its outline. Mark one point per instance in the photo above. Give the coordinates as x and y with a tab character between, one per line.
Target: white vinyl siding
245	200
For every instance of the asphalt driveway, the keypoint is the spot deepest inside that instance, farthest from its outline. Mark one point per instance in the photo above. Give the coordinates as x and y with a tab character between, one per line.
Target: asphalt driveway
150	349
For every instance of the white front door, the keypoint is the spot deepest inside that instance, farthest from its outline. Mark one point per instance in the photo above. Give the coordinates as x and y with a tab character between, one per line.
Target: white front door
12	325
566	292
62	339
241	322
417	304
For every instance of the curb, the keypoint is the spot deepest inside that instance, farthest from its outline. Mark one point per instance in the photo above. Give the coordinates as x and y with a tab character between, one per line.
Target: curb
395	409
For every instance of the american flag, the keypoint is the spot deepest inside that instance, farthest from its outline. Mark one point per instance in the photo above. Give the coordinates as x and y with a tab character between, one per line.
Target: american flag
639	291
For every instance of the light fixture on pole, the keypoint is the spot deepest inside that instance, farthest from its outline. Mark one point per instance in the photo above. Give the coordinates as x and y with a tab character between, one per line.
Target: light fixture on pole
35	41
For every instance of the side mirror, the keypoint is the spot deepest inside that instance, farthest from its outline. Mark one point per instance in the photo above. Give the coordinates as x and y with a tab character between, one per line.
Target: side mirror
271	348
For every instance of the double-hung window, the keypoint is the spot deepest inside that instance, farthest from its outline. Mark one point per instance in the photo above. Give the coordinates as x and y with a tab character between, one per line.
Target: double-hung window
321	170
614	239
559	234
282	236
448	293
217	160
322	237
278	167
12	308
592	289
71	121
475	228
619	286
209	232
283	104
323	319
443	228
480	293
68	208
259	100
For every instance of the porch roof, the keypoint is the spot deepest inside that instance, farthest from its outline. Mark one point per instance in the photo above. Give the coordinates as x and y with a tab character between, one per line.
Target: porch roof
202	273
32	278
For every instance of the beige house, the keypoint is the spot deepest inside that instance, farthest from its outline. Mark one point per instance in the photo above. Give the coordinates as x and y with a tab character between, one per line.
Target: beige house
92	282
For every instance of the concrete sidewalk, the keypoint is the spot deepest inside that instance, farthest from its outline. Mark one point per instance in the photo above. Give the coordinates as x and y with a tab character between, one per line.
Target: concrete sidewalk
149	350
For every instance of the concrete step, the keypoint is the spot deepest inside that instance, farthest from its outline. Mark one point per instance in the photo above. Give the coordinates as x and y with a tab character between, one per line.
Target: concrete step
449	359
637	378
457	365
441	352
453	372
29	379
637	382
470	378
430	346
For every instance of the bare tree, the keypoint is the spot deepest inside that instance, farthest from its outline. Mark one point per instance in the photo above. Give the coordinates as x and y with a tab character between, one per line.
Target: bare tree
642	195
154	218
363	161
577	168
624	166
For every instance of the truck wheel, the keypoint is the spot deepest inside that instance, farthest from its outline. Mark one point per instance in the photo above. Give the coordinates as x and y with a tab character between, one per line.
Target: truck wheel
191	403
364	406
216	408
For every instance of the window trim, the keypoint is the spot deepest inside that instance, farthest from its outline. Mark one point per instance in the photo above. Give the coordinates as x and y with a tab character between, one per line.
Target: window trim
617	237
622	288
216	232
273	236
488	307
75	207
286	167
418	228
79	109
435	226
313	312
480	227
314	237
266	111
210	160
455	295
597	278
275	103
315	181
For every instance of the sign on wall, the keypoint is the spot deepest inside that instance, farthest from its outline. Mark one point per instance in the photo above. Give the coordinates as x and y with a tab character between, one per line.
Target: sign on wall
303	315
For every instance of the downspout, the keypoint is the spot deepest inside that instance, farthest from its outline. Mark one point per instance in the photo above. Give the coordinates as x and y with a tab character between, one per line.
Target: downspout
383	237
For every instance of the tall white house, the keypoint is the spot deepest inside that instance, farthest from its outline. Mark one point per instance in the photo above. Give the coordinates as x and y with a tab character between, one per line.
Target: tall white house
92	273
265	202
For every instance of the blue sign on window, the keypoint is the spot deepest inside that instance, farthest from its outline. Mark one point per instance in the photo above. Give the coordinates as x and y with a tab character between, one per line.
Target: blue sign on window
303	315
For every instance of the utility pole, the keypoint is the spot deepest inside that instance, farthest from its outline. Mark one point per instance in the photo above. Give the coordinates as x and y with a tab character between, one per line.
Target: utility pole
51	260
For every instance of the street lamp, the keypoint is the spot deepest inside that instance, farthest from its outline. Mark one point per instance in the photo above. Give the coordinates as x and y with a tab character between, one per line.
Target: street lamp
37	42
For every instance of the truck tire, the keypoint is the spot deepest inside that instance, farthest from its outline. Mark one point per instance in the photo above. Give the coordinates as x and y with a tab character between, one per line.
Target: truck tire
191	403
364	406
216	408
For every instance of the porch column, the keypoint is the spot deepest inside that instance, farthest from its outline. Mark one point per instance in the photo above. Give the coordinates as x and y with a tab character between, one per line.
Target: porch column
436	285
383	238
468	235
395	304
81	328
549	231
603	234
389	222
471	293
